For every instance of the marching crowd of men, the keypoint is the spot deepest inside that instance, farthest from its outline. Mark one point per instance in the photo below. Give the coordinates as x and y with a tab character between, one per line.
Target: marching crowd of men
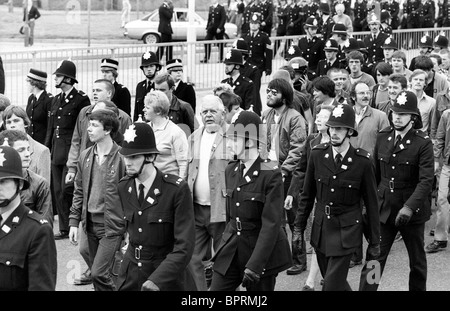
353	145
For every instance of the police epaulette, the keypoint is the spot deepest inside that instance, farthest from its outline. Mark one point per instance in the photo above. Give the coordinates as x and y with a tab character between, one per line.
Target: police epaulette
422	134
81	93
363	153
268	164
321	146
126	177
38	217
386	129
173	179
246	79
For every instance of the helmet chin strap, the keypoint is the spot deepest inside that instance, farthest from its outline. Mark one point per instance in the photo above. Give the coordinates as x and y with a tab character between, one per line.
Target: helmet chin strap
135	175
402	128
6	202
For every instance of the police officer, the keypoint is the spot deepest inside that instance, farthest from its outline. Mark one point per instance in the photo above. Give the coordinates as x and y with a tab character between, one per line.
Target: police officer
405	170
159	213
266	10
426	14
311	45
241	85
215	28
411	14
374	41
65	109
182	90
27	247
425	48
122	96
360	15
393	8
254	247
326	22
340	177
150	66
260	48
330	61
385	19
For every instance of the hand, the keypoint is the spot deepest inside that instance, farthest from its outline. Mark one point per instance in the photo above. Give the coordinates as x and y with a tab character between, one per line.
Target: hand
263	24
288	202
373	252
298	239
403	216
70	178
250	278
73	235
268	72
149	286
218	30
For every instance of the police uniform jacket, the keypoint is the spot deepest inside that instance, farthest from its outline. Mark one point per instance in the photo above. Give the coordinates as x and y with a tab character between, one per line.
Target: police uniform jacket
165	16
282	15
360	14
322	67
404	174
394	9
218	161
161	233
260	50
338	221
2	77
426	14
122	98
326	28
267	14
185	91
244	87
27	252
375	52
142	88
250	71
254	212
37	197
38	112
312	51
180	112
63	118
216	19
411	8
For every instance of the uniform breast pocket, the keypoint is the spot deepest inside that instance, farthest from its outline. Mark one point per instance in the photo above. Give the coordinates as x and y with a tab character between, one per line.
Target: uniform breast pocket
350	191
161	231
322	184
67	119
13	274
409	168
253	204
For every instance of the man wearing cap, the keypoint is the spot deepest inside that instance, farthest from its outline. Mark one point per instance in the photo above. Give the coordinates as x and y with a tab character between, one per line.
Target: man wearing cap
404	171
311	45
330	61
183	90
39	104
122	96
165	12
326	21
159	215
242	86
393	8
340	178
150	67
260	47
215	28
65	109
374	41
27	247
340	34
385	20
254	248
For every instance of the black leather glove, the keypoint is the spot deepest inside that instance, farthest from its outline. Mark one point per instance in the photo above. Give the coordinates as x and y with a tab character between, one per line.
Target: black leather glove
250	278
373	252
298	239
403	216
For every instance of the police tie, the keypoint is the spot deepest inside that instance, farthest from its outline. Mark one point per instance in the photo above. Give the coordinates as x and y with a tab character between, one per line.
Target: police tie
338	160
242	169
141	194
63	97
329	64
33	100
398	139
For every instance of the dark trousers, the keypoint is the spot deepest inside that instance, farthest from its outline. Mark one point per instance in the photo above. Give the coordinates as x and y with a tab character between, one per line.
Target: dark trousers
211	36
298	258
63	196
413	236
102	251
334	270
169	49
233	278
257	105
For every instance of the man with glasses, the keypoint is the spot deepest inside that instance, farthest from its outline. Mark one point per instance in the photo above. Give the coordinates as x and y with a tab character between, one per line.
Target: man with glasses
286	135
206	178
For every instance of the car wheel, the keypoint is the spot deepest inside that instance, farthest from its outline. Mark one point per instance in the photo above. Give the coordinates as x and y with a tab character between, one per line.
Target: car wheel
151	38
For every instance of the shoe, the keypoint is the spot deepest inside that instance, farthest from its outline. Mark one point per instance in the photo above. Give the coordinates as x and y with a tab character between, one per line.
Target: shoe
61	235
432	232
203	61
307	288
355	263
436	246
398	237
296	269
85	278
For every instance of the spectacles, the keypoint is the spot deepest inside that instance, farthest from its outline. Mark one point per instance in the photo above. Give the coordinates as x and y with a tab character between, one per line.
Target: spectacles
364	93
274	92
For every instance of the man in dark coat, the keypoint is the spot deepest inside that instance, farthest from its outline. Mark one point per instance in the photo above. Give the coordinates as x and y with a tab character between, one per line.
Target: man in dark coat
404	170
165	28
215	28
183	90
2	77
339	177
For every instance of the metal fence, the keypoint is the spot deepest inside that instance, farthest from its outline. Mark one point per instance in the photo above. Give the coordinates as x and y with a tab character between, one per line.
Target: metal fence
203	76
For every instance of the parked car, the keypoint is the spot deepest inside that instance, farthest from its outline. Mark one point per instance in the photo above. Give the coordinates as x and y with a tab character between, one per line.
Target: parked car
146	28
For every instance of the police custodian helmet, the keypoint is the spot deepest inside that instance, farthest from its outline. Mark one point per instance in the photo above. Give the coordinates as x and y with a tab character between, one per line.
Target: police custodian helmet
138	139
343	115
67	69
406	102
11	165
150	58
246	124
